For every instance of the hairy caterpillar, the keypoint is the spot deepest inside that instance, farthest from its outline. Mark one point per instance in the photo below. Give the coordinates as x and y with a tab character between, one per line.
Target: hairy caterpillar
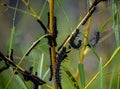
61	56
52	41
52	38
95	40
51	68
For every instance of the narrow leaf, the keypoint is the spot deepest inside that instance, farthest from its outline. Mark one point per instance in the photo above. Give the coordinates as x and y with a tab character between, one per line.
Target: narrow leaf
82	75
116	21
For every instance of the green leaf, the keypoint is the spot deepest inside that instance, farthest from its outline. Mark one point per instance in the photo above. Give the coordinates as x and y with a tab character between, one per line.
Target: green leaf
116	21
102	28
20	81
58	3
82	75
71	77
11	39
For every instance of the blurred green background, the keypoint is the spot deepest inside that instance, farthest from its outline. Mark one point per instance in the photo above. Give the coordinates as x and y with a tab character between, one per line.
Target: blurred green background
68	13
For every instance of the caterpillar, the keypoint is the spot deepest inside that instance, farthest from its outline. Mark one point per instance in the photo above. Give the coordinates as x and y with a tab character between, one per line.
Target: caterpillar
29	77
55	32
52	41
61	56
48	20
95	40
78	42
52	38
42	25
51	69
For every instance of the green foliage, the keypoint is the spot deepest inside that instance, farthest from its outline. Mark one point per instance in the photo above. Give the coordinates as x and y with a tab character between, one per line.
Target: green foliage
26	38
116	21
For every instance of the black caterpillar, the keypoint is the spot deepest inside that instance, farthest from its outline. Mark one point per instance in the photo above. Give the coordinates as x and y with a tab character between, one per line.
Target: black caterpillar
52	41
61	56
74	42
55	32
95	40
28	76
51	67
42	25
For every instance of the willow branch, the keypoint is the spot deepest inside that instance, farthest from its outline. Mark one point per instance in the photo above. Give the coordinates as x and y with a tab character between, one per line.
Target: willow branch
82	53
52	50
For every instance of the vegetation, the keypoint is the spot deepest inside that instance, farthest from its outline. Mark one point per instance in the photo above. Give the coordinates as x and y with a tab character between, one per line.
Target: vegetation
59	44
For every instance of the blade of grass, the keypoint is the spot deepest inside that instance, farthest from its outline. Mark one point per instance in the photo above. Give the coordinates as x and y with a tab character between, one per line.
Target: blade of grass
43	8
111	79
102	28
59	3
40	66
12	37
82	75
71	77
118	82
67	17
13	29
46	73
116	21
101	74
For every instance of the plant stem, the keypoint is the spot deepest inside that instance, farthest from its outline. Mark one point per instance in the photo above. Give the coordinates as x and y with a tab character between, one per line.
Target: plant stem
51	7
82	53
